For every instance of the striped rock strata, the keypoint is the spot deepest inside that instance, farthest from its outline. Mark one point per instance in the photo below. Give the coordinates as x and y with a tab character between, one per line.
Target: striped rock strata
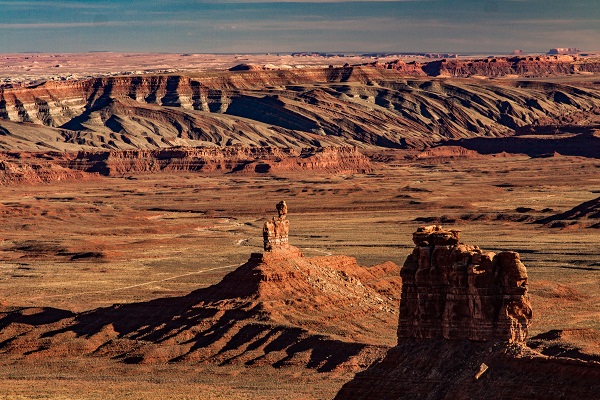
455	291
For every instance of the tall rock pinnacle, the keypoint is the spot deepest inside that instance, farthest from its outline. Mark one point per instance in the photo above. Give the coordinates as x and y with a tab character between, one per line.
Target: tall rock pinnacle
275	232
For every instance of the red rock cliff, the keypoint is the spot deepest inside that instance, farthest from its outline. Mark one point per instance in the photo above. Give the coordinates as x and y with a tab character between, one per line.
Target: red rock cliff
455	291
229	159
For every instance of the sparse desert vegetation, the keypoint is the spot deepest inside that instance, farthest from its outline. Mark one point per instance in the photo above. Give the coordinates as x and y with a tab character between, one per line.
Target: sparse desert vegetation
77	246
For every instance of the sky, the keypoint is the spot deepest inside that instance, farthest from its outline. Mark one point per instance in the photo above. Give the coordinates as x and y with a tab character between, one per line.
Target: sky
248	26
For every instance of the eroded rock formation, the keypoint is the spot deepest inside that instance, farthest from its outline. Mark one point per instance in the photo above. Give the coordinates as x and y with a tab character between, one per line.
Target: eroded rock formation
456	291
275	232
385	105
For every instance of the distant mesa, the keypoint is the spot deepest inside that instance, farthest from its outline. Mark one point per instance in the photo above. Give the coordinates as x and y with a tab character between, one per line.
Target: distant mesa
564	51
246	67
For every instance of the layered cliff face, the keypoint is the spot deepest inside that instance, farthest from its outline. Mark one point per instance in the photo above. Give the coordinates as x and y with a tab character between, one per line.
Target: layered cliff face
454	291
230	159
38	167
27	168
366	106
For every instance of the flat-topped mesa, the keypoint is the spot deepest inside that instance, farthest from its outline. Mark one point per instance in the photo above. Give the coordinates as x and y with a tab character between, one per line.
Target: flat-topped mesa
456	291
275	232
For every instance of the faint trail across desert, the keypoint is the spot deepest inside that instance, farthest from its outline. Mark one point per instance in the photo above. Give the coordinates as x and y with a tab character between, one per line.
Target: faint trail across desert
136	285
327	253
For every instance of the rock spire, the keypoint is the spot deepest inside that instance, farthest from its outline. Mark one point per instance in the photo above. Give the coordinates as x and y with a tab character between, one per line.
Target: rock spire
275	232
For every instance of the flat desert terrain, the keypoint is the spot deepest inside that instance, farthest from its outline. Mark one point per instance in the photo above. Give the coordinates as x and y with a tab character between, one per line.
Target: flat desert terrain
77	246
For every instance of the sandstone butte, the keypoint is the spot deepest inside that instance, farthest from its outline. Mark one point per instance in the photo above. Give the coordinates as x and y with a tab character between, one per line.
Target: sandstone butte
279	308
455	291
464	315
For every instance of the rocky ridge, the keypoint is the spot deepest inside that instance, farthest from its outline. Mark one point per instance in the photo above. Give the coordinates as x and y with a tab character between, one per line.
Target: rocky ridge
358	106
586	214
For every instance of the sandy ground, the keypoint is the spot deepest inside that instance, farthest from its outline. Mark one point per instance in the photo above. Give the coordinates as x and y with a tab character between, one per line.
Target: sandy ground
83	245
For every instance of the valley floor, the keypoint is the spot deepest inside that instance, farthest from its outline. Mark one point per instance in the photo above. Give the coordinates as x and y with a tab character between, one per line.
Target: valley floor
81	245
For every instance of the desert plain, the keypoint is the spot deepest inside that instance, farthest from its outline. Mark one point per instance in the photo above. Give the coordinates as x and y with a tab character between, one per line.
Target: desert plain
96	226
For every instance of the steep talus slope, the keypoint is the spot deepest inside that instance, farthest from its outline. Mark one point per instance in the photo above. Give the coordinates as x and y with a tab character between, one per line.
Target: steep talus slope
278	309
363	106
450	370
583	344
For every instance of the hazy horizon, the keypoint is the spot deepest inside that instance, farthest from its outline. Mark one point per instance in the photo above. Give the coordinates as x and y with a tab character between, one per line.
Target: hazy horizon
213	26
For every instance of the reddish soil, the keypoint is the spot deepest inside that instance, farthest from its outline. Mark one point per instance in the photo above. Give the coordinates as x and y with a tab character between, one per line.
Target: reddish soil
278	309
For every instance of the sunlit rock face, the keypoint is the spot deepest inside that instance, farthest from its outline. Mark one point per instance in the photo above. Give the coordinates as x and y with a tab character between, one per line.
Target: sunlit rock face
456	291
275	232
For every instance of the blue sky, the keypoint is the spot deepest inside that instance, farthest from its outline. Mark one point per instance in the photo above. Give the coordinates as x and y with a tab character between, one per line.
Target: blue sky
247	26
